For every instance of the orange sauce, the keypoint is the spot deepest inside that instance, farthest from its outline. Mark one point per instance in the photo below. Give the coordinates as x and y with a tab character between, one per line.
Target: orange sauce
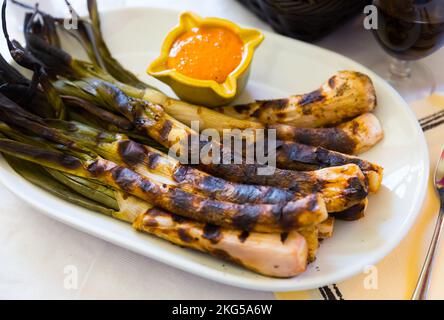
207	53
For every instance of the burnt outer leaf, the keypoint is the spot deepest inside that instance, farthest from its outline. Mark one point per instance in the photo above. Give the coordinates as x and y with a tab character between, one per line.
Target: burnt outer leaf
217	188
11	75
55	59
38	176
44	157
296	156
25	58
106	116
333	139
15	115
38	105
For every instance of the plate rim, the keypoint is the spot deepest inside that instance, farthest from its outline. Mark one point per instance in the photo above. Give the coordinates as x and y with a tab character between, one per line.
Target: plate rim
279	285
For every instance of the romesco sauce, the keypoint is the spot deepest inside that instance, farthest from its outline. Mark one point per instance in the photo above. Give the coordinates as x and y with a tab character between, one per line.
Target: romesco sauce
206	53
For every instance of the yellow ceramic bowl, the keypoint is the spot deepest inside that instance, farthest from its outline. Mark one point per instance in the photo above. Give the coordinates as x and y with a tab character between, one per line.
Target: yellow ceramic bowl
206	92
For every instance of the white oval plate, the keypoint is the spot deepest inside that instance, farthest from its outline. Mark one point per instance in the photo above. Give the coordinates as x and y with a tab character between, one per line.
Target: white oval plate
282	66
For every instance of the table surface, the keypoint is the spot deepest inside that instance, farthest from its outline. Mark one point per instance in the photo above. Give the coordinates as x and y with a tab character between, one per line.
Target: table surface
37	252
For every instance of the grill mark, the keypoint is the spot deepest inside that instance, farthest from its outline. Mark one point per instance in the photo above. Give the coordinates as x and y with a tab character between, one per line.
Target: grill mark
289	215
246	219
356	189
132	153
240	194
257	113
153	160
184	235
243	236
125	178
213	184
147	186
276	104
241	108
355	128
312	204
307	99
325	158
299	153
97	168
140	120
212	233
65	161
150	223
165	130
155	212
179	219
299	182
332	138
281	116
218	188
332	82
276	195
342	88
118	99
180	174
218	209
182	200
339	141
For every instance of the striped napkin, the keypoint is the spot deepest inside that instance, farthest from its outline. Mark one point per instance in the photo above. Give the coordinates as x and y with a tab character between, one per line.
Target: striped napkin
397	274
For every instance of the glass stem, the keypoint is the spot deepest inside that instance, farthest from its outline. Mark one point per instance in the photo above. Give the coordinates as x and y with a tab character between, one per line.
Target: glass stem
400	68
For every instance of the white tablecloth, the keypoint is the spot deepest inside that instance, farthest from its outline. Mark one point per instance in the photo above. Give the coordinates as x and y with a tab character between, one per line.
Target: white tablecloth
36	251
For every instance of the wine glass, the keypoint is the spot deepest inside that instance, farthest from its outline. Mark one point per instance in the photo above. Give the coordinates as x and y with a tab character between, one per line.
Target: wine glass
409	30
